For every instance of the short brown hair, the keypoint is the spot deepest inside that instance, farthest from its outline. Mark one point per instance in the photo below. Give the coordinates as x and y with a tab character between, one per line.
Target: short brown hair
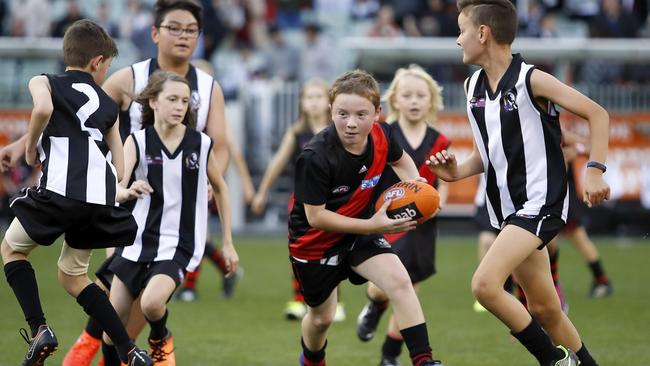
85	40
156	85
358	82
162	7
499	15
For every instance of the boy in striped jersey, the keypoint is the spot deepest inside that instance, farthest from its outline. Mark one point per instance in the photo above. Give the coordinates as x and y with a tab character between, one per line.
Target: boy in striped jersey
511	108
73	135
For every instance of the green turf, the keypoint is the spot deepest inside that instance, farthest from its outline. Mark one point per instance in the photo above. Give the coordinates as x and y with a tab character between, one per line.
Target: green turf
250	328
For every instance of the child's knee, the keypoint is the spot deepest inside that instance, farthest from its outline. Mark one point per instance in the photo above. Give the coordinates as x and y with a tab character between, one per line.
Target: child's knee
399	283
545	312
483	288
321	321
73	284
152	308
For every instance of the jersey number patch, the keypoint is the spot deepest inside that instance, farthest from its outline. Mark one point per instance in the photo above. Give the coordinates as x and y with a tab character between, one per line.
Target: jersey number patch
86	110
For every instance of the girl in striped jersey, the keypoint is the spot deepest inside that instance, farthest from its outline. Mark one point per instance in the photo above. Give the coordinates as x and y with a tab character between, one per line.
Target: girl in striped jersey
511	108
177	162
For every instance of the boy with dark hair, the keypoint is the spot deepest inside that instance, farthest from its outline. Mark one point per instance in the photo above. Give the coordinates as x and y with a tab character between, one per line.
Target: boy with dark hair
74	135
332	234
512	110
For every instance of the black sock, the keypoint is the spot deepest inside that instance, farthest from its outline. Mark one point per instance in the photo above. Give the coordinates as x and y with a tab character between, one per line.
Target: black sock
598	272
93	328
585	358
417	341
110	355
538	343
392	347
509	285
22	279
158	328
95	303
313	357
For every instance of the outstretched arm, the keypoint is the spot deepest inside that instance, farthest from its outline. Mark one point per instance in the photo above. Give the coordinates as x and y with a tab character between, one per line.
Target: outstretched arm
278	163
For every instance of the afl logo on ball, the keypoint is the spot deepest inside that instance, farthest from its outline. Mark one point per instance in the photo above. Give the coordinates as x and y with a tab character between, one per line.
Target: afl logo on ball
394	194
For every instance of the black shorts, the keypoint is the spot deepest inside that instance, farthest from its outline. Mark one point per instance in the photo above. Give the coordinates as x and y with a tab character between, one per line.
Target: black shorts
544	227
417	250
318	278
482	220
104	274
137	275
46	215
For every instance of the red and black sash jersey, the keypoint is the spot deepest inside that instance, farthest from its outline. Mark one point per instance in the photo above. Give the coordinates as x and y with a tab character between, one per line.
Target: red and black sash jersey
432	143
328	174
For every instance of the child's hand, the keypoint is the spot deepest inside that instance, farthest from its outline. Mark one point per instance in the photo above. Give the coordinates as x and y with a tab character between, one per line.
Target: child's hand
382	224
9	156
138	189
596	190
230	258
31	156
443	164
258	204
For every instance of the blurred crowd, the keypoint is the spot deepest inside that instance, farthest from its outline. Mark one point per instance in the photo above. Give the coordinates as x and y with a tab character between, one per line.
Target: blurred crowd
292	40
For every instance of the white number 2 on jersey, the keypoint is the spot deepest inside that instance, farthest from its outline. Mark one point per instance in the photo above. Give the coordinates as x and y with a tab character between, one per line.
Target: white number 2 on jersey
91	106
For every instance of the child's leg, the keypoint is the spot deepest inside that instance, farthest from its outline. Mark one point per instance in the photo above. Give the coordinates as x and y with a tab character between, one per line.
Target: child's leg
511	248
20	275
121	300
136	322
601	286
153	303
314	330
534	276
371	313
392	346
388	273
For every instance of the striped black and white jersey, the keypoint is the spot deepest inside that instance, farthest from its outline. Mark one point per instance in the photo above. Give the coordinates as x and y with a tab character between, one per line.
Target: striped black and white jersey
75	158
519	144
201	84
172	221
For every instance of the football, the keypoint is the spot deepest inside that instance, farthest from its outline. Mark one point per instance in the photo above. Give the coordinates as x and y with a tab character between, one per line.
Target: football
412	199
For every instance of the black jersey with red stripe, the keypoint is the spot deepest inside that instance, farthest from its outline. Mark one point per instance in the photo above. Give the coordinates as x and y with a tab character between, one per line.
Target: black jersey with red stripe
432	143
328	174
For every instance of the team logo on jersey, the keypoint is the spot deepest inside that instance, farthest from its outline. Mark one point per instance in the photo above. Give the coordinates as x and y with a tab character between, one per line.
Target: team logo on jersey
192	161
510	101
370	183
195	100
363	169
340	189
477	103
153	160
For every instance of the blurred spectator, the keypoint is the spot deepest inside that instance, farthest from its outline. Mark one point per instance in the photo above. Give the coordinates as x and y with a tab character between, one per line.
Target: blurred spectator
3	14
73	13
384	25
214	28
281	58
613	22
316	58
530	20
103	18
136	26
547	26
30	18
402	8
364	9
238	75
288	13
434	21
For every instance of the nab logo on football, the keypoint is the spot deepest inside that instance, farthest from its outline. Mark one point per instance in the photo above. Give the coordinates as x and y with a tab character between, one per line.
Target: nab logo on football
394	194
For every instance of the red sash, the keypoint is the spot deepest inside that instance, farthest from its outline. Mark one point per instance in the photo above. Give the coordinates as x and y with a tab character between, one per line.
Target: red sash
314	242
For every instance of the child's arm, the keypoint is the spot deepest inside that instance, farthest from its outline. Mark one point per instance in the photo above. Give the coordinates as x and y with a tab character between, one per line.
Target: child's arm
277	164
443	191
118	86
114	142
548	87
323	219
445	166
405	168
216	128
242	168
223	205
138	188
39	88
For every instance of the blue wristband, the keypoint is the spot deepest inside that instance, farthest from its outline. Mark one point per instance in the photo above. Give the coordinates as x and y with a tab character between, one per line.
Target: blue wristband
597	165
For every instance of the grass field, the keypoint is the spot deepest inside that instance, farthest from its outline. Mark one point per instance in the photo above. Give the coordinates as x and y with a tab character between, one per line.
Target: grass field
250	328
